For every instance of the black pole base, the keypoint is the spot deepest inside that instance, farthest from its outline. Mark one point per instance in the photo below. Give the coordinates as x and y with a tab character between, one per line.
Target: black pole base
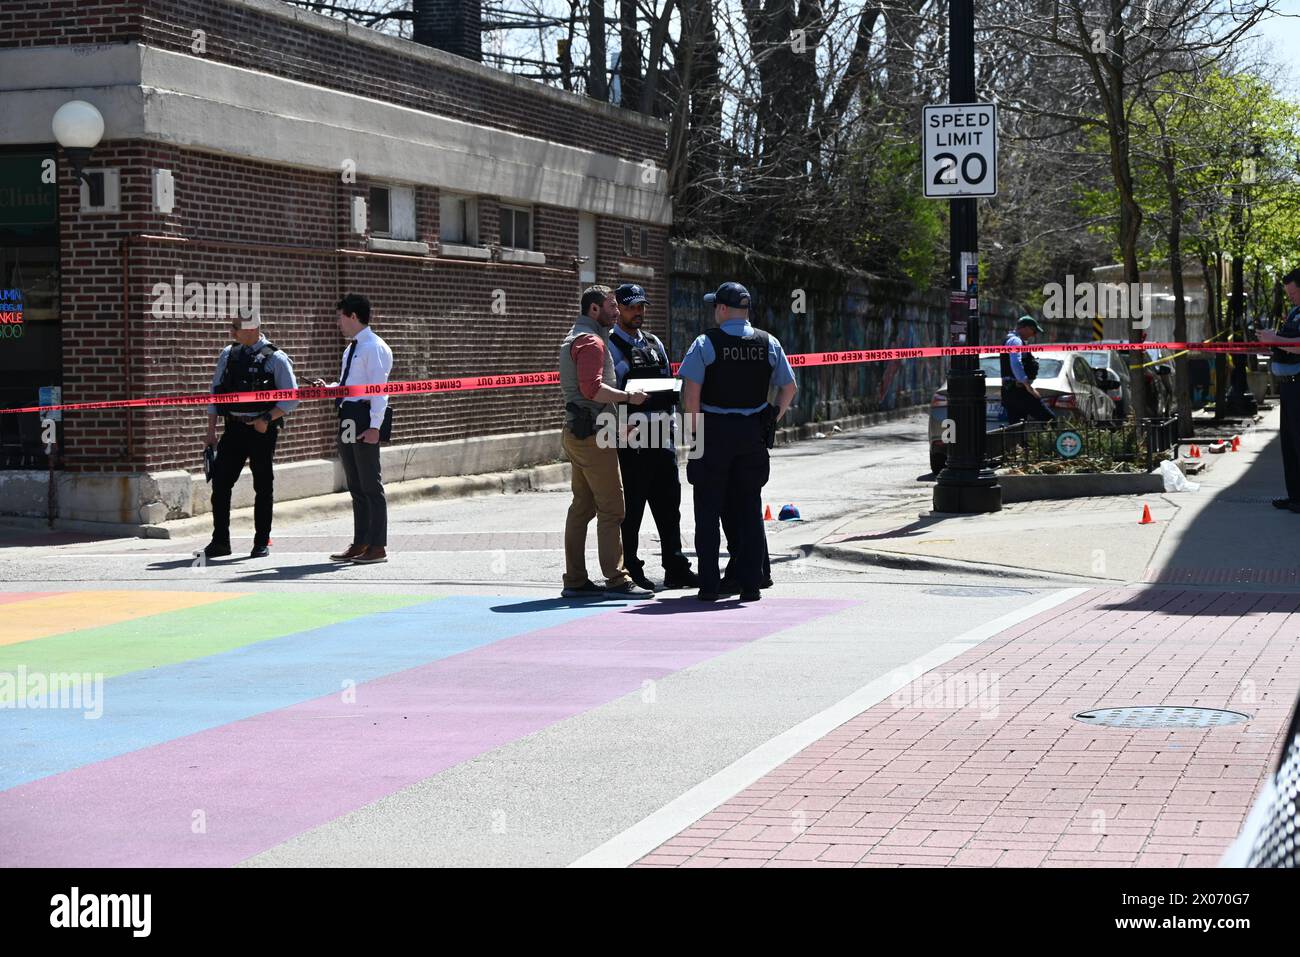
968	498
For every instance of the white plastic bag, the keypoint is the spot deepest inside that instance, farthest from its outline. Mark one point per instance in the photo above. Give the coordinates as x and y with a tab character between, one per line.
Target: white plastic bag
1175	480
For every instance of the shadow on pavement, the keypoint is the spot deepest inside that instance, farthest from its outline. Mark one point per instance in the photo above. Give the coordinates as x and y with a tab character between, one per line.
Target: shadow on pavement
281	573
1238	542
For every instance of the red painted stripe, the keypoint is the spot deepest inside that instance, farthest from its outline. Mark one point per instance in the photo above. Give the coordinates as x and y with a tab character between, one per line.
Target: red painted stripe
8	597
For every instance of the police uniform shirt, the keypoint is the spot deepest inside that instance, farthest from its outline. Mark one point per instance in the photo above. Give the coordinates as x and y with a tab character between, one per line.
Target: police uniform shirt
371	364
280	366
1016	358
621	366
701	355
1291	330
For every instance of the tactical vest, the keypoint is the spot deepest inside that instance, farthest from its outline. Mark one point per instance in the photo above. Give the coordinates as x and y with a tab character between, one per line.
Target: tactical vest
646	361
1290	328
740	374
1027	360
569	371
248	372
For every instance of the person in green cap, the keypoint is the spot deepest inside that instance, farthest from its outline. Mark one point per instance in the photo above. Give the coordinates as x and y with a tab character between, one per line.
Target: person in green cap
1019	369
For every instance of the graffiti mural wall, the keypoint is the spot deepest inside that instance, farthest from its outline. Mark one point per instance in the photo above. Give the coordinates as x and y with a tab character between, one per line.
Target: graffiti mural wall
812	308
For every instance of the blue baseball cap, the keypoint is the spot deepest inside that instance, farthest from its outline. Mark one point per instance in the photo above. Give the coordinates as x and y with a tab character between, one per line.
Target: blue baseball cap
730	294
629	294
789	512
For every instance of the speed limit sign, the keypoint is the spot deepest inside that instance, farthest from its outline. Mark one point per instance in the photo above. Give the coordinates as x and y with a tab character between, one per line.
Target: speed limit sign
960	146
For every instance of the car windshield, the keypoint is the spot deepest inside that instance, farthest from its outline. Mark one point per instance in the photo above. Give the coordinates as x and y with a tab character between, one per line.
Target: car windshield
1047	368
1098	360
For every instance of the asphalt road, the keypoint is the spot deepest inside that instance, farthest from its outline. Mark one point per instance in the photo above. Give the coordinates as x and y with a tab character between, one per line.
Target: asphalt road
537	744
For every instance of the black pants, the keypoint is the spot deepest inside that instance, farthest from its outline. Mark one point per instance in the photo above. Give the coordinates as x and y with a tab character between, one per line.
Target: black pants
729	533
1289	392
1020	405
366	486
728	479
650	477
242	443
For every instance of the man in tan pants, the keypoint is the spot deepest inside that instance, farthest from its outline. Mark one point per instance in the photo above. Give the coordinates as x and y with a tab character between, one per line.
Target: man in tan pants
587	381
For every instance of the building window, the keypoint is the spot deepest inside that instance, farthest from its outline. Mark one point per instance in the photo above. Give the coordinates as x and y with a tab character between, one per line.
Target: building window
516	227
392	212
636	241
458	219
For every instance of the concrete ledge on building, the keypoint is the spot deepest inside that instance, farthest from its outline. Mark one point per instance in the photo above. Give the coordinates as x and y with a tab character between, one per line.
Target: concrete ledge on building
525	256
457	251
167	504
633	271
381	245
145	501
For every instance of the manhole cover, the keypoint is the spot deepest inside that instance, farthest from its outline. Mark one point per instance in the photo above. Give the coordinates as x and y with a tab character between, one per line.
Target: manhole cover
960	591
1162	717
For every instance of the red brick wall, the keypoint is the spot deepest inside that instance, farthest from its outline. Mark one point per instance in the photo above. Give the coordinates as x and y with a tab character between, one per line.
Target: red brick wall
294	49
435	313
28	23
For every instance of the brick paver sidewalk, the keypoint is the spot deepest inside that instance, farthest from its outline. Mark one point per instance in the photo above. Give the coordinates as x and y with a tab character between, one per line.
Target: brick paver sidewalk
982	763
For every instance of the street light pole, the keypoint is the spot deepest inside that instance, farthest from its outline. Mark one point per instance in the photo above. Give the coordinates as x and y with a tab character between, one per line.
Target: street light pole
965	484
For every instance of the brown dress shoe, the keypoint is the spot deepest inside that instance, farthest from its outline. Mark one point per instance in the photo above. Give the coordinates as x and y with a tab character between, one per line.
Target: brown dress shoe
349	553
371	555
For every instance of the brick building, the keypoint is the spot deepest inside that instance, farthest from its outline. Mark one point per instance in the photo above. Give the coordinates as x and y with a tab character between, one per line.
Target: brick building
311	158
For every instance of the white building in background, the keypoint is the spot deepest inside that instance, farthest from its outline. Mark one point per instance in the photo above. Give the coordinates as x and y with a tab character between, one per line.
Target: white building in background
1161	304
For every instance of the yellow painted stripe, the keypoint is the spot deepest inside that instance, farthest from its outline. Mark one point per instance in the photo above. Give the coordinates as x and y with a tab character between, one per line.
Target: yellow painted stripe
72	611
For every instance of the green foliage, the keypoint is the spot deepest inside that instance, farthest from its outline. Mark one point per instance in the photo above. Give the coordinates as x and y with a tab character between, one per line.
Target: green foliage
1231	143
903	234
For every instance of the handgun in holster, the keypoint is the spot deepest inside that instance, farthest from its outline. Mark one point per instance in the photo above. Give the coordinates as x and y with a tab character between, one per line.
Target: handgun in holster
583	425
769	426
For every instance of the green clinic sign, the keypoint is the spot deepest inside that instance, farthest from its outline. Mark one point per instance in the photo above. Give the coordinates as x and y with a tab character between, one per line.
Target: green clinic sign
25	198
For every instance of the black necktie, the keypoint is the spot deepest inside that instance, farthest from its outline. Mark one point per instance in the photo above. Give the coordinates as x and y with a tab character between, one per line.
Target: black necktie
347	367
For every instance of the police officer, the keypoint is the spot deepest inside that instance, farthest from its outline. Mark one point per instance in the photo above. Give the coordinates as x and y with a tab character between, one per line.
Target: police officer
1019	369
727	376
1285	366
250	364
649	470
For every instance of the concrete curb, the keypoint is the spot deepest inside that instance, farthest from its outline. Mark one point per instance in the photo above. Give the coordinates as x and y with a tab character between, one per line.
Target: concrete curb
1032	488
869	556
442	487
340	503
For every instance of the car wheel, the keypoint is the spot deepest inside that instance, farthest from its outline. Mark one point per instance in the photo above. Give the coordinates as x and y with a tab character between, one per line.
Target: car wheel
938	459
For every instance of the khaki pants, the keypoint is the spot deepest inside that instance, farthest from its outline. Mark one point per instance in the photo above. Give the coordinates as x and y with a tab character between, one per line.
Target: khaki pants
598	494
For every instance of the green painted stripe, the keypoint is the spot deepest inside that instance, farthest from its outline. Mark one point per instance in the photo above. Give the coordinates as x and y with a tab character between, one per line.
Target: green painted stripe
190	633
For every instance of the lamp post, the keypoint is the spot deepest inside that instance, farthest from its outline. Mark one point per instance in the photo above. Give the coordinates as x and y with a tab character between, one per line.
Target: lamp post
965	484
1240	400
78	128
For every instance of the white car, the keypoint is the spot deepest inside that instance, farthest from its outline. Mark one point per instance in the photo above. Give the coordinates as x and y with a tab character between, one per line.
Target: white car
1065	382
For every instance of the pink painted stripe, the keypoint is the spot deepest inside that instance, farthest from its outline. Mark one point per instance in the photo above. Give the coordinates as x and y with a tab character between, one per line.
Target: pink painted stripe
260	781
6	597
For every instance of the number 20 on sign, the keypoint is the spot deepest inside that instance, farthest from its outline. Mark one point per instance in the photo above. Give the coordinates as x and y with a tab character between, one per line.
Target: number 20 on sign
960	149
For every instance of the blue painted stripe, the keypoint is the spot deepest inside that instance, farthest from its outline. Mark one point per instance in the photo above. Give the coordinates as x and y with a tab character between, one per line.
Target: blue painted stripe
144	708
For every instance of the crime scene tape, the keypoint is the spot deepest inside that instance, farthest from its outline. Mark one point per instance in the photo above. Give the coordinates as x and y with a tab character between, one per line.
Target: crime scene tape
472	383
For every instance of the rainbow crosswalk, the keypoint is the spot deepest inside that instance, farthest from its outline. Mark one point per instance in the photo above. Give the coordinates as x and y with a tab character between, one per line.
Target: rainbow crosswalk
212	726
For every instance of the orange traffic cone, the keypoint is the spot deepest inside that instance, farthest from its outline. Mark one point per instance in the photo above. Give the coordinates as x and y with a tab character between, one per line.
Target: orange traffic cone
1196	451
1146	516
767	513
1236	443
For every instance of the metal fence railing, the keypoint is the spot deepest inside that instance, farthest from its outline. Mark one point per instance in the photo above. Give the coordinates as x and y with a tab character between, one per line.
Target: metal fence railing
1032	443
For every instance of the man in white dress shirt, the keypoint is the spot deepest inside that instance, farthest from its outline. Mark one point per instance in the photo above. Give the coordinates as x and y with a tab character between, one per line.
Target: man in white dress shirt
366	361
